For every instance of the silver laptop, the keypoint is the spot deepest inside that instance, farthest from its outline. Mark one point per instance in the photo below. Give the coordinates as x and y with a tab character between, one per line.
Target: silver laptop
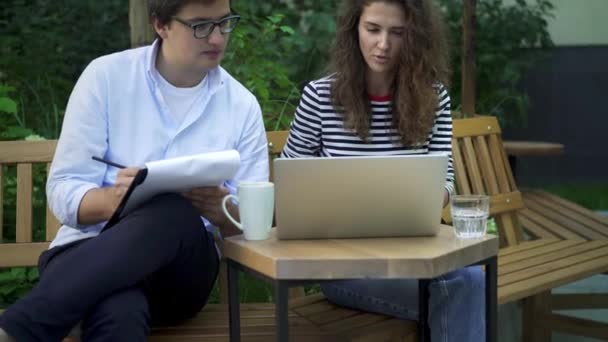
352	197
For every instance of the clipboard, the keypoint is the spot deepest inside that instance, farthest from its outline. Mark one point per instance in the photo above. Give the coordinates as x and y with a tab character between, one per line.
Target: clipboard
118	213
176	175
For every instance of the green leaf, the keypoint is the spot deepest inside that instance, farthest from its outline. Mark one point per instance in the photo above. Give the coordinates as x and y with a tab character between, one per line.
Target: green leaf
275	18
19	272
287	29
6	89
8	288
16	133
7	105
6	276
33	274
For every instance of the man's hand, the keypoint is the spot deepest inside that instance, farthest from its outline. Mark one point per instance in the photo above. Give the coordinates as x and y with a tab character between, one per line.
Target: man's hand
116	192
208	202
99	204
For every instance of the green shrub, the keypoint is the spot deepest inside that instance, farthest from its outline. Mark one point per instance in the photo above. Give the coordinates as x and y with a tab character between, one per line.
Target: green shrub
45	45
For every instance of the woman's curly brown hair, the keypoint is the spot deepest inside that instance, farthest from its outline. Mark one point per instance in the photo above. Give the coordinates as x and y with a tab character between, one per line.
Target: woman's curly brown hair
423	63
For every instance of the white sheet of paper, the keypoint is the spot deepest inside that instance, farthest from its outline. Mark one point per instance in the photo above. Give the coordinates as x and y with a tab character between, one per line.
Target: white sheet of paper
184	173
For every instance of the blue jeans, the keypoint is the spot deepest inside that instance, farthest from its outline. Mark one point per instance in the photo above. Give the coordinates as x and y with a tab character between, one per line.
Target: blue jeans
456	305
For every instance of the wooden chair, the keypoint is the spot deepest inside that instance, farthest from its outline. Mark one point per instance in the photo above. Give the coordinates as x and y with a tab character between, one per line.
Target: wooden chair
311	317
546	241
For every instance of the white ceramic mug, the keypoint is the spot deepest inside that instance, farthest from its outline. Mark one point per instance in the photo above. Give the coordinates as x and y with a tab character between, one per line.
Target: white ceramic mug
256	206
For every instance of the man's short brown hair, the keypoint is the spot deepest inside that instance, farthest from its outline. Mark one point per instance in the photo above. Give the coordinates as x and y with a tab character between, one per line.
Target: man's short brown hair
164	10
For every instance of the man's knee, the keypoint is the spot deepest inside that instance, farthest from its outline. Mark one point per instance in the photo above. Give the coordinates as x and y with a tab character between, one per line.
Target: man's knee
120	317
169	211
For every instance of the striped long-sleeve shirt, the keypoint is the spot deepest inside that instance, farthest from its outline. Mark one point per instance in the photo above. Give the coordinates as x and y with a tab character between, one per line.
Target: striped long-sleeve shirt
318	130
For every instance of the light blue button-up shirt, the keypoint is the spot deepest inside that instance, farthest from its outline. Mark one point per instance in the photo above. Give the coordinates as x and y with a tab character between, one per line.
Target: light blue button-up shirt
116	111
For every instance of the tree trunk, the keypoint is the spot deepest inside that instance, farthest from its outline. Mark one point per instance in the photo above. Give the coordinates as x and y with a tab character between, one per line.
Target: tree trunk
468	58
141	30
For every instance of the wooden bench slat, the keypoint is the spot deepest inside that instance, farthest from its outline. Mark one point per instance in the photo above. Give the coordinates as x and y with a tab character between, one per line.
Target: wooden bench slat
244	338
472	165
505	162
304	301
460	170
565	216
266	328
486	165
505	203
480	125
14	152
549	225
564	220
535	230
570	205
393	330
501	169
551	279
356	321
250	324
316	308
24	203
332	316
535	252
509	233
249	337
544	257
21	254
276	141
524	246
598	252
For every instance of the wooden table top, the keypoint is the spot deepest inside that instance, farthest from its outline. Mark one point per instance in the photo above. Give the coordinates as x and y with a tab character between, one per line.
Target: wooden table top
414	257
532	148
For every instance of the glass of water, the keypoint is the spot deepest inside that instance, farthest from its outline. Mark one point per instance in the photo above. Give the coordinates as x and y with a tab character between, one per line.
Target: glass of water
470	215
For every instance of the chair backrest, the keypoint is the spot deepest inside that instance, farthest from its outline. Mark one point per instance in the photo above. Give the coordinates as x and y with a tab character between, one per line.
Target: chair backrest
276	142
23	155
481	167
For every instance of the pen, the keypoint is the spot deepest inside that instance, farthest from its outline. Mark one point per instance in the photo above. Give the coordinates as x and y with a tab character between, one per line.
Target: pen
108	162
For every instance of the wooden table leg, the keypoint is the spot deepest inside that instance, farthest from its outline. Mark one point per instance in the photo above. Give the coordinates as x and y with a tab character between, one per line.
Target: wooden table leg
281	290
491	299
233	302
424	332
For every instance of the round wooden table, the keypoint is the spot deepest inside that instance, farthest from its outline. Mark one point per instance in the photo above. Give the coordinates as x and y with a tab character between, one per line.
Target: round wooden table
519	148
532	148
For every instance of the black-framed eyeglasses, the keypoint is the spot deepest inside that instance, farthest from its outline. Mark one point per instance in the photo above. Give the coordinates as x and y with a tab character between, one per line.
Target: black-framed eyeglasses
202	29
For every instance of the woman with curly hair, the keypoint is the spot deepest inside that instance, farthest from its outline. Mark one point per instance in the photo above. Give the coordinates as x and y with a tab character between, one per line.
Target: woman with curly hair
386	95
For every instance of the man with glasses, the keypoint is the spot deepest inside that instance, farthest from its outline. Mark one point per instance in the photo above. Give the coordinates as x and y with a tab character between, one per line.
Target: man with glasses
159	263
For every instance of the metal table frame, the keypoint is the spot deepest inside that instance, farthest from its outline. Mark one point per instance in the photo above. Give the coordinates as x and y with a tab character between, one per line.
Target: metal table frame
281	289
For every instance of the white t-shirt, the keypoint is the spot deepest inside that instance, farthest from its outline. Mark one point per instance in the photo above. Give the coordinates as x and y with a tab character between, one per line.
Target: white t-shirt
180	100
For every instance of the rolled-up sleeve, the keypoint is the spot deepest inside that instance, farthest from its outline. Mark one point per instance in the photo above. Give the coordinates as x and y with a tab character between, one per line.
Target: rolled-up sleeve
83	135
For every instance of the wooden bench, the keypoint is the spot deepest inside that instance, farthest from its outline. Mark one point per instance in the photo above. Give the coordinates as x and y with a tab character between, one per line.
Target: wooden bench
527	269
546	241
311	317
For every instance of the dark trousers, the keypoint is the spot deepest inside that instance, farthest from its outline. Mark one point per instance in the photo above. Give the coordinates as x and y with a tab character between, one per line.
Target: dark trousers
157	265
